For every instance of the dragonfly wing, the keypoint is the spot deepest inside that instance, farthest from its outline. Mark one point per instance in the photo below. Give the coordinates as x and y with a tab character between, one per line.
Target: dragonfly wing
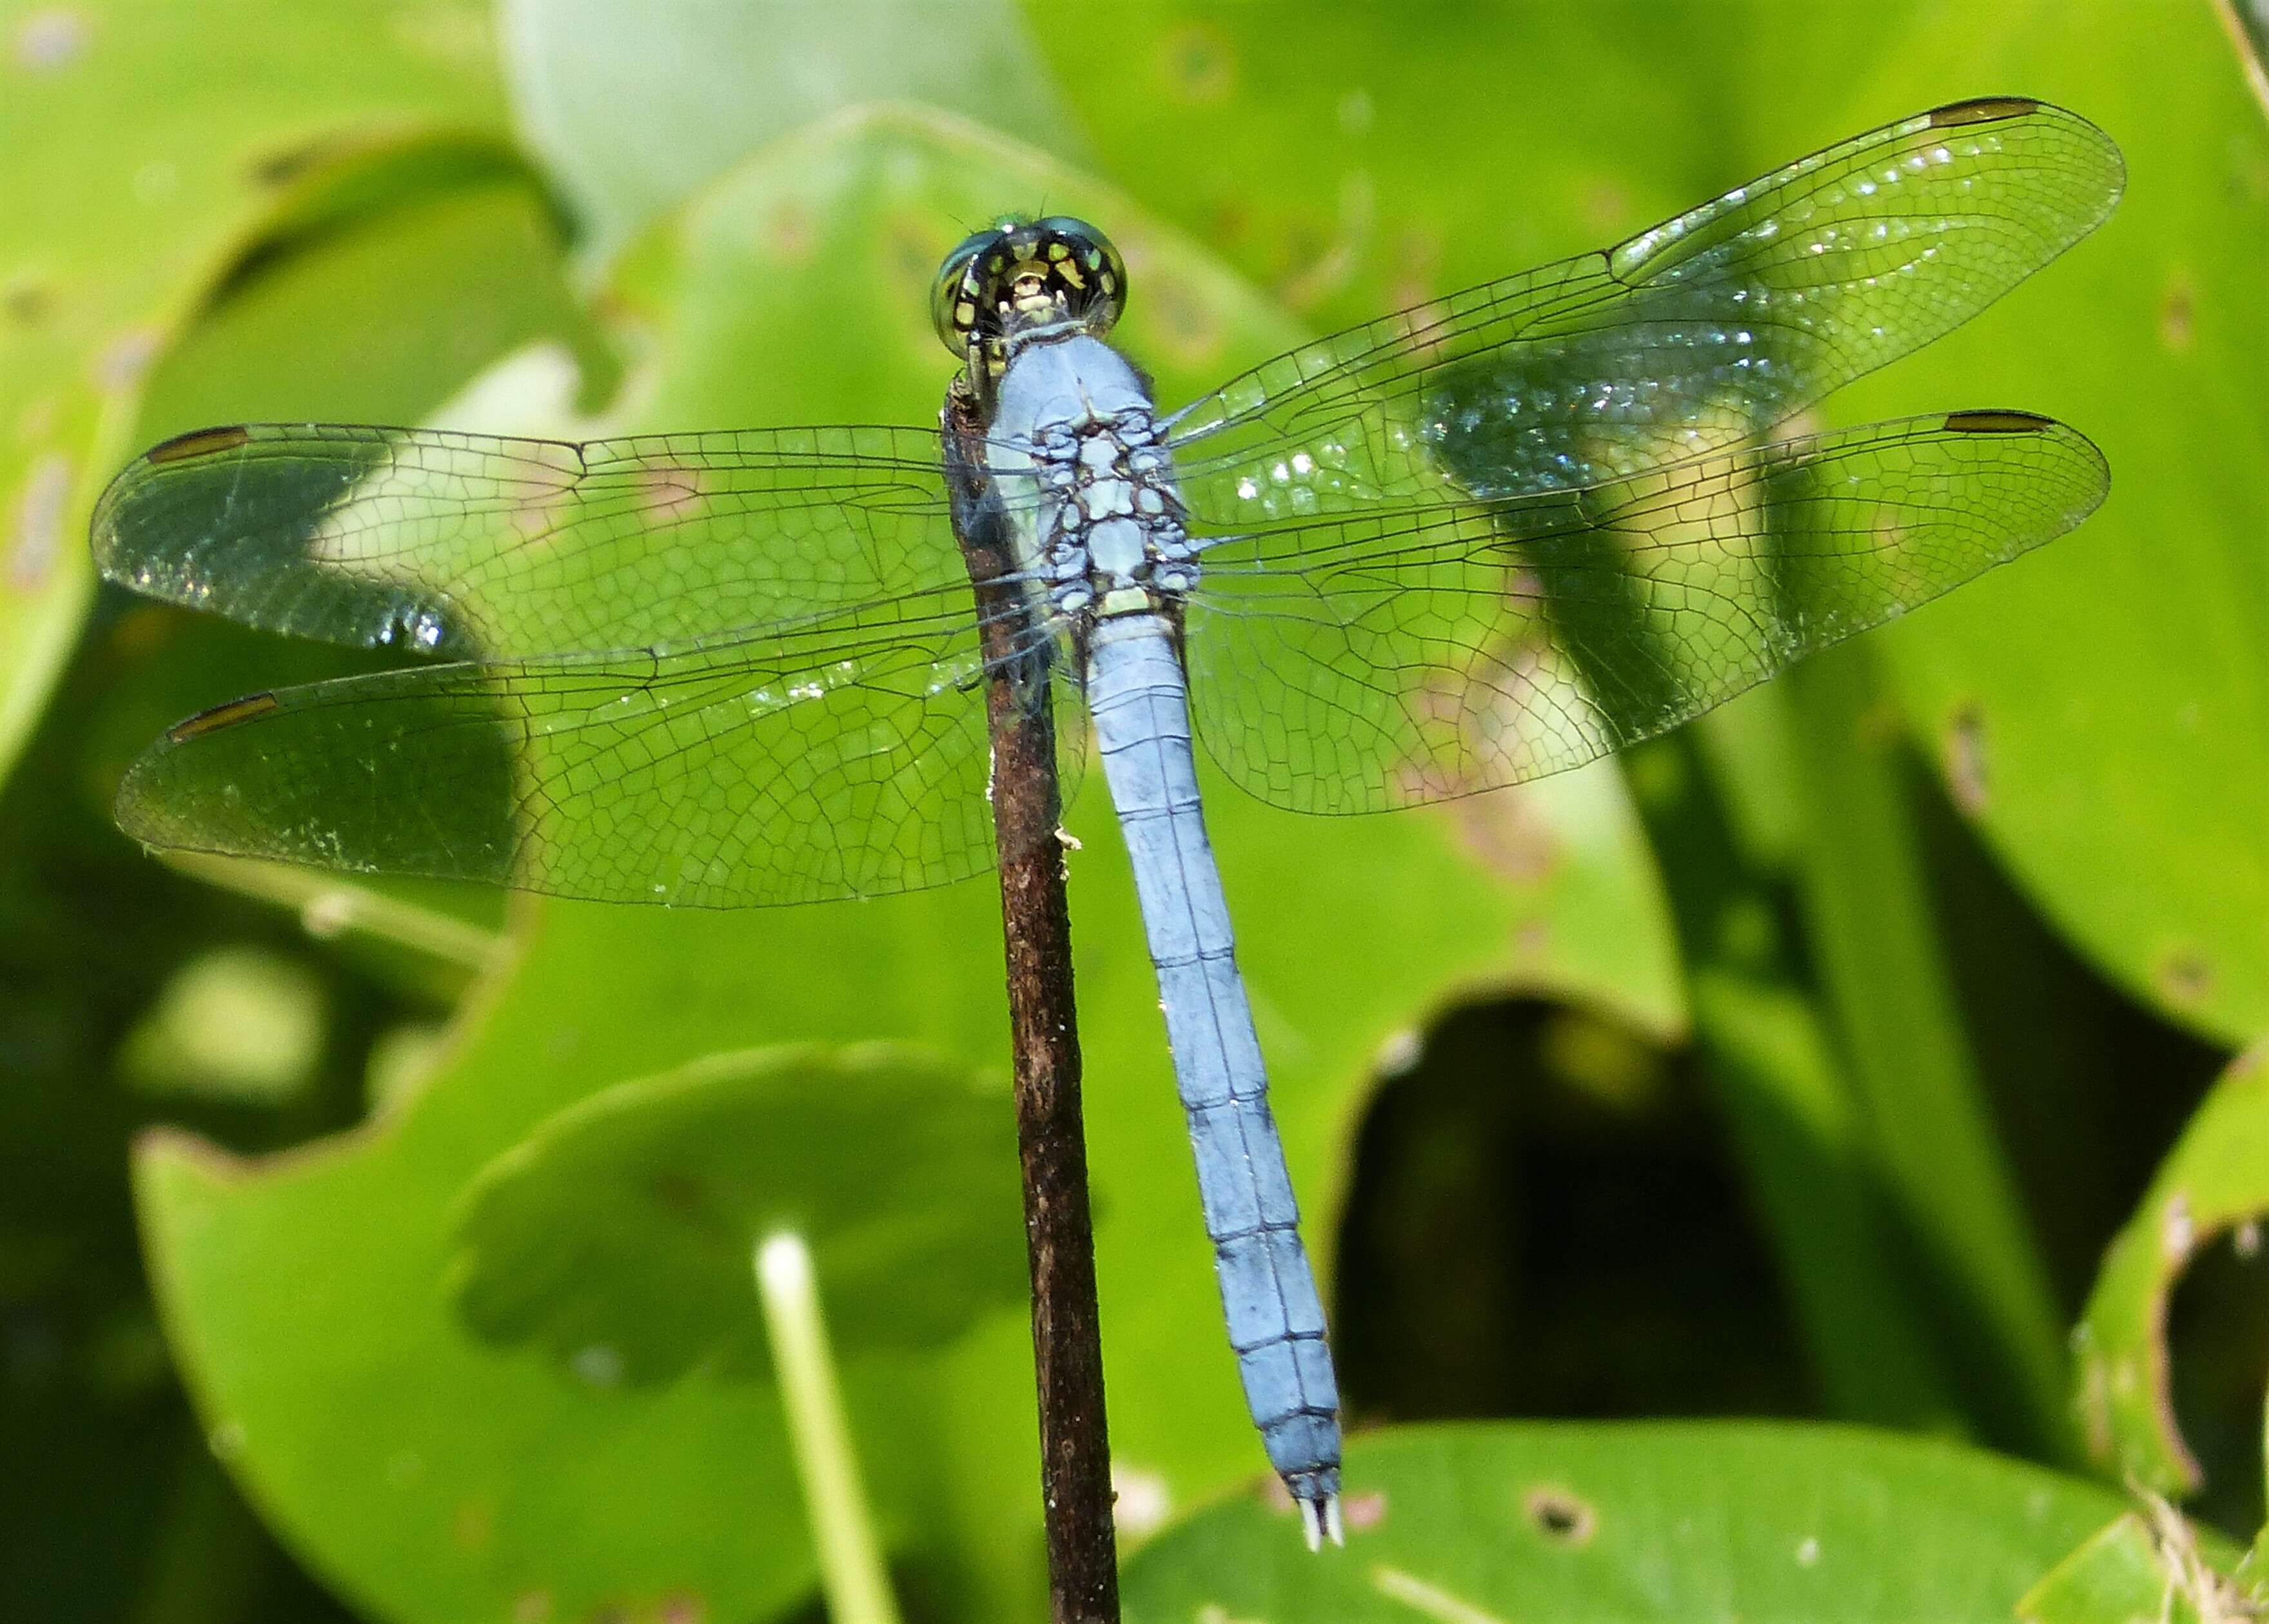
470	545
1364	663
1695	334
841	759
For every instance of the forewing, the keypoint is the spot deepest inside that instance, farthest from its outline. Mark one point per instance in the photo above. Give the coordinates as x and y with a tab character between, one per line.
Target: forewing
843	759
470	545
1364	663
1689	337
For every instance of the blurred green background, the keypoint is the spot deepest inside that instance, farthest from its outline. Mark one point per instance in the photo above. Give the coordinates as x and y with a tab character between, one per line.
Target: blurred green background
1867	1052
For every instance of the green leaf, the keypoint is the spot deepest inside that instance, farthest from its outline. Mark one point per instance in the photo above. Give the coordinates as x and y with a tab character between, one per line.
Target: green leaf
634	110
433	255
617	1235
2214	1181
1476	1523
2133	1572
2086	705
437	1480
127	202
2103	710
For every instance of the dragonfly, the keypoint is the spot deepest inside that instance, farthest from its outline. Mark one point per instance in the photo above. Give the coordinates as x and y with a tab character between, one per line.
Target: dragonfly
1493	536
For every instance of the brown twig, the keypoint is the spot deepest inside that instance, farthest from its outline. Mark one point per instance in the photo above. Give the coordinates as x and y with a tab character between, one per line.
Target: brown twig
1035	918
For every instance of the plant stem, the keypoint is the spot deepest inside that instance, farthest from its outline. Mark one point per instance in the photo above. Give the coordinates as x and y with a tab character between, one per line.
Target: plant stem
1036	921
851	1571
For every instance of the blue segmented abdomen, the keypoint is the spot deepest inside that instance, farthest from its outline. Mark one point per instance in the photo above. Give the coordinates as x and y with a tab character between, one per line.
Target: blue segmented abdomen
1139	700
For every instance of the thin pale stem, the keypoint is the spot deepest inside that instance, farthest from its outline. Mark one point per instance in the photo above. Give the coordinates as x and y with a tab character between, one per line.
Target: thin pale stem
851	1570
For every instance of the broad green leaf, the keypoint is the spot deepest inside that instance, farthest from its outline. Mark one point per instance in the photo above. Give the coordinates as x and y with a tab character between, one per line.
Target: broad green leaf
438	1479
413	264
634	108
618	1235
2103	710
1361	159
2138	1571
2215	1181
141	149
1476	1523
90	929
2085	702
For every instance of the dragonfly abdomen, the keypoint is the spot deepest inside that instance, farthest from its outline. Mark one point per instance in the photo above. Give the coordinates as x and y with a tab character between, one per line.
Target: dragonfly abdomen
1137	694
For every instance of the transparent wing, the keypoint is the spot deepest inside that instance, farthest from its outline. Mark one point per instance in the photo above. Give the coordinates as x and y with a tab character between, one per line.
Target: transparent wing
1692	336
1362	663
470	545
847	757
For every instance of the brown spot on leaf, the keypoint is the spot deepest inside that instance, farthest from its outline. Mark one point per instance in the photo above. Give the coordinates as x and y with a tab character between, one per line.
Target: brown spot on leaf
1509	832
2178	315
1606	207
1183	321
791	234
1363	1512
1559	1515
1965	761
34	541
1199	65
26	303
282	165
474	1526
2184	977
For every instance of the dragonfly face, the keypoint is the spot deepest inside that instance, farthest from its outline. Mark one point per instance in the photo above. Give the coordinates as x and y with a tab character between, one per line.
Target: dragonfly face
1490	537
1024	276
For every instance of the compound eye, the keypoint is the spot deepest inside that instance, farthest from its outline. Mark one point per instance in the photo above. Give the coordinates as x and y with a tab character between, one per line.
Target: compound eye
1100	272
953	308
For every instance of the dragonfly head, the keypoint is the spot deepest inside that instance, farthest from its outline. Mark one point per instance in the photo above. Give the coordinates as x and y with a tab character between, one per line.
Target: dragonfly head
1022	275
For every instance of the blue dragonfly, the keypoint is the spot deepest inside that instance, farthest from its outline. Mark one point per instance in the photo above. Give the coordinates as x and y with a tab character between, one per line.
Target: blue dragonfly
1484	539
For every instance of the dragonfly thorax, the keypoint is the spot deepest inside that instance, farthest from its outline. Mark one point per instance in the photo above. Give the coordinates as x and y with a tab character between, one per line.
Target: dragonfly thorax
1087	482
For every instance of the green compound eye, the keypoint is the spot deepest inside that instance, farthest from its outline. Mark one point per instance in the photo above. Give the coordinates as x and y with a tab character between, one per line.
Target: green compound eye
1089	265
1024	273
956	298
